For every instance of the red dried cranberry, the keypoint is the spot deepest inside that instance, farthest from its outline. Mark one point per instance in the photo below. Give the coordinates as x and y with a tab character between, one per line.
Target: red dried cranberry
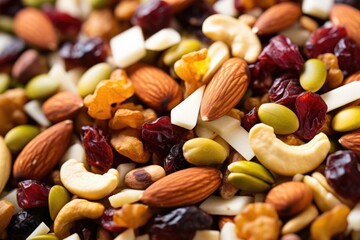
98	152
152	16
342	173
285	89
84	53
323	40
250	119
348	54
175	160
179	224
11	51
32	194
261	79
107	221
281	54
311	111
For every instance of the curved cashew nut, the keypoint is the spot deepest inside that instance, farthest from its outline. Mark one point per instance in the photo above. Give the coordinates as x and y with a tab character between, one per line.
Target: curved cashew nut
284	159
79	181
73	211
244	43
5	163
300	221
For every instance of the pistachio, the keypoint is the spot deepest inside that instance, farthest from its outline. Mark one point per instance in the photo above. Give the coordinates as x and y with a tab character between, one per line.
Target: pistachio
204	151
19	136
58	197
4	82
347	119
313	75
41	86
177	51
282	119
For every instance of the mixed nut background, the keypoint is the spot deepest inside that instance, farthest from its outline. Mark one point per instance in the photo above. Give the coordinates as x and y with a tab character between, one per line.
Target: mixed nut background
179	119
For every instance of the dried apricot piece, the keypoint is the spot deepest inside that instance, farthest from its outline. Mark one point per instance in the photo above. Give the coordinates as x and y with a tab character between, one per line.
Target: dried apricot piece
132	215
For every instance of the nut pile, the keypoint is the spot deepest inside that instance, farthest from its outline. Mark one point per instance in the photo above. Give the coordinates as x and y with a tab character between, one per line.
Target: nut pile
179	119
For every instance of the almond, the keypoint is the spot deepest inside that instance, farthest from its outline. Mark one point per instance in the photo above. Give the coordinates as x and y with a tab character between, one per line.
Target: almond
35	28
62	106
277	18
349	17
42	154
351	141
290	198
184	187
225	89
154	87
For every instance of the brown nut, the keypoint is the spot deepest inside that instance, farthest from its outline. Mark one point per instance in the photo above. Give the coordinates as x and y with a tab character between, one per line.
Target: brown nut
289	198
6	212
351	141
132	215
141	178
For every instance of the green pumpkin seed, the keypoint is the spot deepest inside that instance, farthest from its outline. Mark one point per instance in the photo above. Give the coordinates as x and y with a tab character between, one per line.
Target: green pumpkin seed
37	3
347	119
41	87
17	138
313	75
253	169
248	183
4	81
177	51
58	197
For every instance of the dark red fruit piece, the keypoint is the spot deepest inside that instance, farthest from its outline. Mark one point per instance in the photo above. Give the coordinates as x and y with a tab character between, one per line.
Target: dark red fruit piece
107	221
85	228
342	173
250	119
348	54
179	224
99	153
84	53
32	194
323	40
261	79
11	51
285	89
175	160
281	54
152	16
311	110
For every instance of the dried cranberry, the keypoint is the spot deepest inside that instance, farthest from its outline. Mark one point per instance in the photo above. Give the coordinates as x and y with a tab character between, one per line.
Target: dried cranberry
179	224
32	193
85	228
323	40
107	221
175	160
348	54
342	173
160	135
99	153
281	54
261	79
285	89
250	119
152	16
84	53
311	111
11	51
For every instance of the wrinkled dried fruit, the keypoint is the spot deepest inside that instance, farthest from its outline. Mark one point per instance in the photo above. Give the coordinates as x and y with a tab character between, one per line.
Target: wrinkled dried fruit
175	160
32	193
132	215
107	221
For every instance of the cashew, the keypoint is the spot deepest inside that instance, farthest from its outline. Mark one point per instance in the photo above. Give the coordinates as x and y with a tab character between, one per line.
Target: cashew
284	159
5	163
244	43
353	218
73	211
300	221
79	181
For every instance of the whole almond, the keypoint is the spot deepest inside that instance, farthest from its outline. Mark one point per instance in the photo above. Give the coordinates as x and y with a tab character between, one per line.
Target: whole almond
289	198
184	187
35	28
349	17
62	106
351	141
277	18
42	154
154	87
225	89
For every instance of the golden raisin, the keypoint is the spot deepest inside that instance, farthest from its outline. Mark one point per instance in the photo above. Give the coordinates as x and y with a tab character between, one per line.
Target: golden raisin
132	215
334	77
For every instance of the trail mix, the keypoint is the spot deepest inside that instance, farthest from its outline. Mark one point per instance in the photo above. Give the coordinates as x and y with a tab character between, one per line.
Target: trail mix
179	119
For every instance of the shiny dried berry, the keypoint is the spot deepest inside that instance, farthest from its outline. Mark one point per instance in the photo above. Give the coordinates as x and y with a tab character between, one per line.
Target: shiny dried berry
311	111
348	54
342	173
97	149
32	194
323	40
107	221
250	119
261	79
175	160
179	224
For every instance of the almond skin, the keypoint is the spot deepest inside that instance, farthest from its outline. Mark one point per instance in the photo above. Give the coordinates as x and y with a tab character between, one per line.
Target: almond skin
184	187
290	198
42	154
349	17
277	18
351	141
154	87
62	106
225	89
35	28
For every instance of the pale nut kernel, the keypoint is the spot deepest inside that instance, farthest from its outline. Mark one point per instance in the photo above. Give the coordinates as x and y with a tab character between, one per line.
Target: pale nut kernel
58	197
308	23
204	152
75	210
141	178
300	221
132	215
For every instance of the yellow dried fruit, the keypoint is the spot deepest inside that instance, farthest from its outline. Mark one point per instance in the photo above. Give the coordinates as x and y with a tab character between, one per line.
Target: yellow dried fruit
258	221
126	118
334	77
132	215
